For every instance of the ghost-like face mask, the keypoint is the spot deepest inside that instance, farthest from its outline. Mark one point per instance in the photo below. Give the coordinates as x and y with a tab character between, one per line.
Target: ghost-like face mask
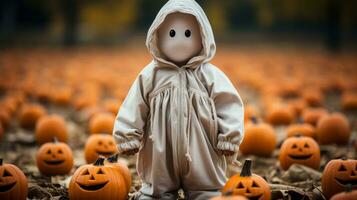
179	38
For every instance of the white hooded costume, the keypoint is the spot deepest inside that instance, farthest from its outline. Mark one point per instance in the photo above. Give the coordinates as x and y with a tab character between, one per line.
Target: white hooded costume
179	117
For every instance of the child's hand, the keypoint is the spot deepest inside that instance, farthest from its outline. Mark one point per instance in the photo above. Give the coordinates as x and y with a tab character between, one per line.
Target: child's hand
130	152
225	153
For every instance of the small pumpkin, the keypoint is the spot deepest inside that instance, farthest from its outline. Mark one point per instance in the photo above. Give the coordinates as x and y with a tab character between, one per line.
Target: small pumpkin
112	106
312	115
303	129
247	184
333	129
97	181
102	123
49	127
30	114
349	101
62	96
300	150
348	194
122	168
259	139
337	175
313	97
229	196
99	144
280	114
5	118
54	158
13	182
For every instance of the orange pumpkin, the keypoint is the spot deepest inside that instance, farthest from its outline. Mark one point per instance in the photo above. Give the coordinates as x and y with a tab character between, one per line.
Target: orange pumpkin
4	118
337	175
49	127
229	196
96	182
349	101
312	115
112	106
313	97
280	114
333	129
300	150
349	194
99	144
62	96
259	139
54	158
247	184
30	114
303	129
13	182
122	168
102	123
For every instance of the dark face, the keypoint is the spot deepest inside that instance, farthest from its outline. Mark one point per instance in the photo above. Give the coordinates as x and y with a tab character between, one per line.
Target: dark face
250	188
7	180
93	179
346	174
105	147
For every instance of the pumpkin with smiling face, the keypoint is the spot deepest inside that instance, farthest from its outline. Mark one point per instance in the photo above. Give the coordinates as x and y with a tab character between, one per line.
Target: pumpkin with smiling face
121	167
338	175
99	144
54	158
97	181
247	184
13	182
300	150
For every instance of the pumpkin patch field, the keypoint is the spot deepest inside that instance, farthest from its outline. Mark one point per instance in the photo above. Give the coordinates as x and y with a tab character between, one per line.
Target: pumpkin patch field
58	107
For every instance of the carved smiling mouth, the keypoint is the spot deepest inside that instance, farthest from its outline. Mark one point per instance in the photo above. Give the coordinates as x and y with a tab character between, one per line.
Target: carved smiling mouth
257	197
104	153
300	157
7	187
54	162
344	183
92	187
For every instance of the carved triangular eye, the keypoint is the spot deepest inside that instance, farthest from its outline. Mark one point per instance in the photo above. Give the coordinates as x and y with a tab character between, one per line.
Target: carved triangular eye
240	185
342	168
60	151
100	171
294	146
6	173
306	145
49	151
86	172
254	184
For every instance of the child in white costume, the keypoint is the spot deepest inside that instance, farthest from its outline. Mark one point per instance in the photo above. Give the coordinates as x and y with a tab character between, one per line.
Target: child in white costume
182	114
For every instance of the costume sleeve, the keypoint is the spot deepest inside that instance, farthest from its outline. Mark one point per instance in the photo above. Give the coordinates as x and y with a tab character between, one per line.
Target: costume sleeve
130	121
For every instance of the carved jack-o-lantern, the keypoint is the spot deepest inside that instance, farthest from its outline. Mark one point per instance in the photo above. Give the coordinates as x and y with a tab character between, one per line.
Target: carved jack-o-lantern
121	167
54	158
339	174
247	184
13	182
300	150
99	144
96	181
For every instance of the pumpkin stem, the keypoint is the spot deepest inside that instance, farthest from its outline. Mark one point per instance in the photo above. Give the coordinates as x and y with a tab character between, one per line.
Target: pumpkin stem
254	120
55	140
246	170
1	161
113	158
99	161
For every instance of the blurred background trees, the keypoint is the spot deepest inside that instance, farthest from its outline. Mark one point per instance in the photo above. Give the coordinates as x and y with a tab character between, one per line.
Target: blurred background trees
71	22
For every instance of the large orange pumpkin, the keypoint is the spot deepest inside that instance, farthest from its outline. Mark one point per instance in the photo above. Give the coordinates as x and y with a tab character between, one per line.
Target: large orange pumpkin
13	182
333	129
102	123
122	168
259	139
338	175
49	127
30	114
99	144
300	150
97	182
54	158
247	184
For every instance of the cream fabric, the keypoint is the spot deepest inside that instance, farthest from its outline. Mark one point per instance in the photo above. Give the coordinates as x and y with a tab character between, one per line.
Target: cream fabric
180	117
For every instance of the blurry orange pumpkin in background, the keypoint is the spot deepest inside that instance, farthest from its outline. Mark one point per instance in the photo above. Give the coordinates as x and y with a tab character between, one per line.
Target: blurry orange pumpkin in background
333	129
30	114
102	123
49	127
